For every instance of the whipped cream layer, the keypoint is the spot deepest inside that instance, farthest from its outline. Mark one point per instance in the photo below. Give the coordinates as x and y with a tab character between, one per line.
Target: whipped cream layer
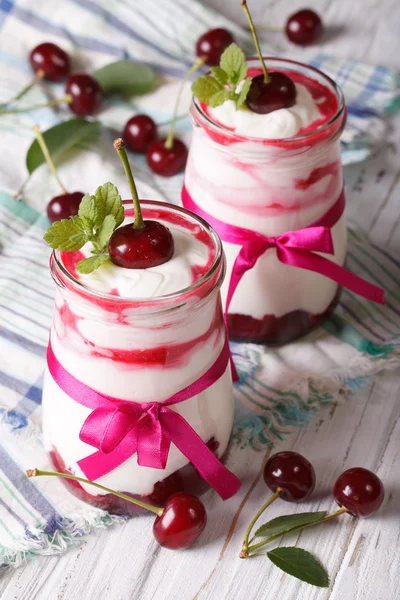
140	352
283	123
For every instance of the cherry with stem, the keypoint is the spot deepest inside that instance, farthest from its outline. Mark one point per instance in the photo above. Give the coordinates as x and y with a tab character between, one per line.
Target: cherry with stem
177	525
168	156
145	243
67	204
269	91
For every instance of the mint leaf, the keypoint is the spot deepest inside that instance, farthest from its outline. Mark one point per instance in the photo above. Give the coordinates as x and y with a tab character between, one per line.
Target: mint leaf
300	564
87	211
221	97
65	235
107	228
220	75
108	199
281	525
204	87
241	97
88	265
233	61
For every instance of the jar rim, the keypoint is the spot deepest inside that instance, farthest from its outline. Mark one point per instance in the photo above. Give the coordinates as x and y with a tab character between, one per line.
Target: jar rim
304	136
155	300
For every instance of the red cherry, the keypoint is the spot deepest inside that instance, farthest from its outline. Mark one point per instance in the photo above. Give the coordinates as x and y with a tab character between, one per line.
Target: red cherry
279	92
304	27
86	93
360	491
51	59
181	522
166	161
291	472
64	206
139	132
212	44
141	248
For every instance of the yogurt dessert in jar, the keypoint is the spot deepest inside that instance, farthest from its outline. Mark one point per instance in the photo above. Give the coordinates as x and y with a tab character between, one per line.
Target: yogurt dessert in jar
138	393
270	174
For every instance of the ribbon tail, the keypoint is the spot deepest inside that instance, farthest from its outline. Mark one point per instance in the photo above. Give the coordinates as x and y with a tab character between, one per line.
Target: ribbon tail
98	464
224	482
319	264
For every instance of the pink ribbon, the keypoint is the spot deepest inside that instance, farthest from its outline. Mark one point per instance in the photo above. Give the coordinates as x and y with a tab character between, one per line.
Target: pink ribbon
119	428
295	248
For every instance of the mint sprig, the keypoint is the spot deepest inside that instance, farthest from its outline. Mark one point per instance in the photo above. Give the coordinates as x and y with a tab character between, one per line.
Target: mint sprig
221	85
98	216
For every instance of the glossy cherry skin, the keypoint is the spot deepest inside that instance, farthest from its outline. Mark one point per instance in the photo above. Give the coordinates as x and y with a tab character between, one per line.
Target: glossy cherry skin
264	98
212	44
291	472
165	161
304	27
360	491
64	206
141	249
86	93
181	522
51	59
139	132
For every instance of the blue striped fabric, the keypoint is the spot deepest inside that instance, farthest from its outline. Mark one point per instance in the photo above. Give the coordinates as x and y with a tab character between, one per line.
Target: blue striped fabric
360	339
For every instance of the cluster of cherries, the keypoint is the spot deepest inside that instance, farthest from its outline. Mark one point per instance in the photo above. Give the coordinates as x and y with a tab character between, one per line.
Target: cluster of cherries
291	477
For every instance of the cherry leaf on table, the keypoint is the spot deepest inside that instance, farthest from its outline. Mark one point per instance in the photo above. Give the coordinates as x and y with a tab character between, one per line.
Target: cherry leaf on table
88	265
66	235
300	564
288	523
126	78
60	138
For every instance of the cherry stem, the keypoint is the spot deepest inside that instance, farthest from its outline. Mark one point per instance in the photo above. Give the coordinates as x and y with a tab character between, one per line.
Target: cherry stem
339	512
245	548
46	154
38	473
119	145
267	78
67	98
270	28
169	142
38	77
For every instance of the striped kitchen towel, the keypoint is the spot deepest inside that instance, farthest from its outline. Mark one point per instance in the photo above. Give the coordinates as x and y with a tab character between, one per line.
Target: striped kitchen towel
358	341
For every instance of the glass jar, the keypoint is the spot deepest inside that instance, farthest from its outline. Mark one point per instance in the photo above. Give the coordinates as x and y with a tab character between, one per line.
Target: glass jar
141	350
272	186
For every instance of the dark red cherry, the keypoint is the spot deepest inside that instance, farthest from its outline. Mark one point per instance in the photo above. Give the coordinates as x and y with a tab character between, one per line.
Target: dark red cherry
181	522
279	92
86	93
166	161
141	248
291	472
64	206
51	59
360	491
212	44
304	27
139	132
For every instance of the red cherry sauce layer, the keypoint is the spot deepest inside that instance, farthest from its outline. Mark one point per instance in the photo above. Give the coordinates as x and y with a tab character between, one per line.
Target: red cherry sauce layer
327	105
187	479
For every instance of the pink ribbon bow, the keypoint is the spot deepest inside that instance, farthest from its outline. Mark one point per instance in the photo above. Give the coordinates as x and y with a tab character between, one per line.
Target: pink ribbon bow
295	248
119	428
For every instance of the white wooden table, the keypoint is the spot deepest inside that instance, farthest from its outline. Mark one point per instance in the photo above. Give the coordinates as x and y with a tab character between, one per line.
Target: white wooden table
362	557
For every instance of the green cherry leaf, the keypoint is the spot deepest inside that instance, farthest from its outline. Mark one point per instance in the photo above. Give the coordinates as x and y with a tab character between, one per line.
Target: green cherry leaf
300	564
204	87
60	138
281	525
241	97
233	61
65	235
220	97
126	78
88	265
220	75
105	232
